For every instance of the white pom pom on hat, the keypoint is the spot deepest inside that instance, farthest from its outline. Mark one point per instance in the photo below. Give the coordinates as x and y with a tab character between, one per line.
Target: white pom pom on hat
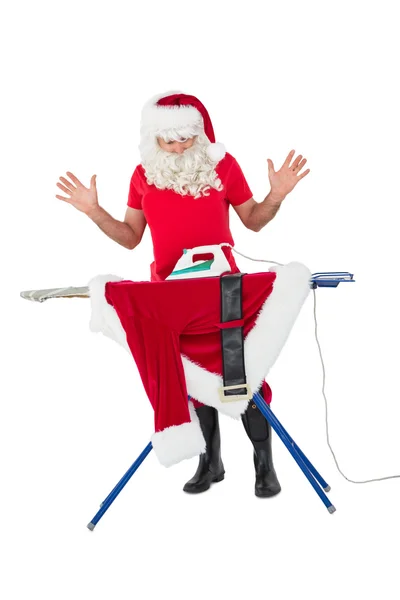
216	151
176	110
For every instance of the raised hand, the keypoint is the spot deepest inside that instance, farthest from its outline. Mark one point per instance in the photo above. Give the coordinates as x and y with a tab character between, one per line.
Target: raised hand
283	181
81	197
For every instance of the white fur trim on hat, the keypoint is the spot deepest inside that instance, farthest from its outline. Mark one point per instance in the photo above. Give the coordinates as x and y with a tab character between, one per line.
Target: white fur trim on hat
161	121
159	118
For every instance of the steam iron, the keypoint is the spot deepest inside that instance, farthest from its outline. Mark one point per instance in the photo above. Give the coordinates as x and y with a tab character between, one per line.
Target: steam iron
186	268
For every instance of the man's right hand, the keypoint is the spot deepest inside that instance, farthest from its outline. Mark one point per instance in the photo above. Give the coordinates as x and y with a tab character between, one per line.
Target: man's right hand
83	198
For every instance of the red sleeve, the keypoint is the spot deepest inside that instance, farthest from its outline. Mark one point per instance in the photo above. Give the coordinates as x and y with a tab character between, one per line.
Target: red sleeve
237	188
136	190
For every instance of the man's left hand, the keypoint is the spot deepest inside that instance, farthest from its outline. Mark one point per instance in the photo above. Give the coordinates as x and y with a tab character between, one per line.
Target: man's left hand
283	181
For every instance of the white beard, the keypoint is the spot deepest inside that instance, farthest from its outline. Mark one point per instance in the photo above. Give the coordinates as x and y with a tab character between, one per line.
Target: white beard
190	173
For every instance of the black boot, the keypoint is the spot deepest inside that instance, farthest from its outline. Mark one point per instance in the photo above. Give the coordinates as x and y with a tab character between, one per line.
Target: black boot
259	431
210	469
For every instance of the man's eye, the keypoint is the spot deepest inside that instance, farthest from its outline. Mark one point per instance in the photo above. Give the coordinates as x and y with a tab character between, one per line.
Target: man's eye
181	141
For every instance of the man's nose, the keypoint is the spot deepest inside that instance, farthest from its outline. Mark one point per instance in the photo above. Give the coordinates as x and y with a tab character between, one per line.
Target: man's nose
179	148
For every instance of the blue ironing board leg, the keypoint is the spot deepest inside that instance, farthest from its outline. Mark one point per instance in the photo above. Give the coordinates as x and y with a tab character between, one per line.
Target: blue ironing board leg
326	487
292	447
132	469
119	487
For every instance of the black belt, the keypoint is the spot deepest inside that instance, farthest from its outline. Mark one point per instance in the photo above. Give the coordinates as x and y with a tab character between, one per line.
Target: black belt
232	343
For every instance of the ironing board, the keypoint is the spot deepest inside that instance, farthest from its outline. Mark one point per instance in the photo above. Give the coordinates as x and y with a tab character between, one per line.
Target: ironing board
321	487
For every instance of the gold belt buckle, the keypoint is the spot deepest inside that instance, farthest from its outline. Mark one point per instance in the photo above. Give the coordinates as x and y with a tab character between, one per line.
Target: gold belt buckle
247	396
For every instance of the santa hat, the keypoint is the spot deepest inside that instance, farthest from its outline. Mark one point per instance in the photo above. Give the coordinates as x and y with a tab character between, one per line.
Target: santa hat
181	114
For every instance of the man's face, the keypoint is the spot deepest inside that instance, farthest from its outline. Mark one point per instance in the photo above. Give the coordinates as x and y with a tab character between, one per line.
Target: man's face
182	165
174	146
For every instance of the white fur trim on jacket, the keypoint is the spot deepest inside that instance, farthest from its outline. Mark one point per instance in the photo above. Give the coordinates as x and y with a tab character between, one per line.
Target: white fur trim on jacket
262	346
104	318
179	442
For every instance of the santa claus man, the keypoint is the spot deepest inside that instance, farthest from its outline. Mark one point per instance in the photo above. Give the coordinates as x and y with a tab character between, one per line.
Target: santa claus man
183	189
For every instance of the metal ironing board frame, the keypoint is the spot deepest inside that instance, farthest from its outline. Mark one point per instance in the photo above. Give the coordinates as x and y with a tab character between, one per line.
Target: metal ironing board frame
316	480
320	486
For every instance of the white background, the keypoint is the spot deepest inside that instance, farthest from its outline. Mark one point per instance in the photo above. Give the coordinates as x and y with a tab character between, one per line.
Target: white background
318	77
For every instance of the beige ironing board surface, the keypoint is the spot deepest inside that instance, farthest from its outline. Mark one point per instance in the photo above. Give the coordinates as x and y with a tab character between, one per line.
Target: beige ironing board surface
67	292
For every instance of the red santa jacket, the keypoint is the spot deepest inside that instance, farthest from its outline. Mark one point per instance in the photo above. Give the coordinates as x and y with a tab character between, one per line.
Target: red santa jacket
172	330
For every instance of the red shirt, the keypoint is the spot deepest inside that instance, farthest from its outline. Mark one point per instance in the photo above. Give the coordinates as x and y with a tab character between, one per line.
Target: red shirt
177	222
